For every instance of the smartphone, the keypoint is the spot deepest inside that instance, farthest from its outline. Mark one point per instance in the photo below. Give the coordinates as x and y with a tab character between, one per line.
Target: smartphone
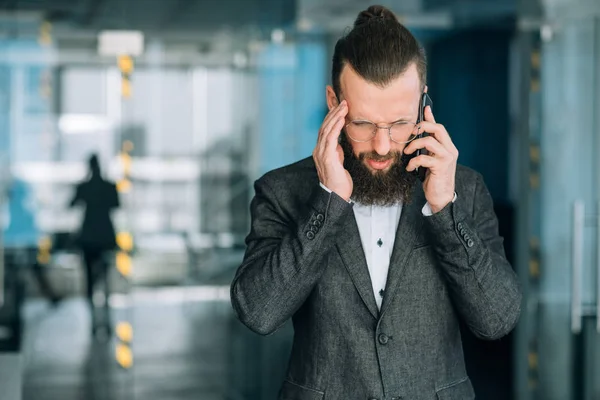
425	101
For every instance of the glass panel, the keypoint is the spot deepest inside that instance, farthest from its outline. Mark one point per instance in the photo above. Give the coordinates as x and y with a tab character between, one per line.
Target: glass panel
568	143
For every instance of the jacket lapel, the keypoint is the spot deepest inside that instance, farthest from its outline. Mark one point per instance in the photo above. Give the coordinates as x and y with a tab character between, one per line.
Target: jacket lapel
409	229
350	247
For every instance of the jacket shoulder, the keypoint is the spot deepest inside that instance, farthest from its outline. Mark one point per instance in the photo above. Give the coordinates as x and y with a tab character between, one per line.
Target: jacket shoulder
467	177
298	174
470	186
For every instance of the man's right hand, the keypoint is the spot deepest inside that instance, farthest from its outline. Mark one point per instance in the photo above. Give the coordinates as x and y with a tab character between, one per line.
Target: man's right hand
329	156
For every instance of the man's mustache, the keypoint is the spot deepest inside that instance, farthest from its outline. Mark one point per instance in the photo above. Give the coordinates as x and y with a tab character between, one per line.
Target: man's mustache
378	157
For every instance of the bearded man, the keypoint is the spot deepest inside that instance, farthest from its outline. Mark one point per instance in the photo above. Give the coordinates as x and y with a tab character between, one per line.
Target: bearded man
375	266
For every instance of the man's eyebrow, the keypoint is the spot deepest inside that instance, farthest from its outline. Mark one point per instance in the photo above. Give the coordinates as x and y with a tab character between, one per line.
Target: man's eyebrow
402	119
353	118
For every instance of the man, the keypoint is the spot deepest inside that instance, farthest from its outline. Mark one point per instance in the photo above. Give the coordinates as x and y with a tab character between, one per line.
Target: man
375	267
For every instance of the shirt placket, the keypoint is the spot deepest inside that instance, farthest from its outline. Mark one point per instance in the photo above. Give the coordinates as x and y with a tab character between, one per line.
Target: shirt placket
378	243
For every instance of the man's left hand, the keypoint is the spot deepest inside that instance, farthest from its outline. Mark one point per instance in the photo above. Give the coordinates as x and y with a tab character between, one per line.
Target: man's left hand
440	162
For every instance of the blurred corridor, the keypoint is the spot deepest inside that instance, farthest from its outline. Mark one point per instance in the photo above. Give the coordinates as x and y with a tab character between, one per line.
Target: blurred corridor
188	102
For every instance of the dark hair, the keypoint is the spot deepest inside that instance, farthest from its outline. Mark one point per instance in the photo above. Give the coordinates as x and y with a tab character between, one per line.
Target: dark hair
379	48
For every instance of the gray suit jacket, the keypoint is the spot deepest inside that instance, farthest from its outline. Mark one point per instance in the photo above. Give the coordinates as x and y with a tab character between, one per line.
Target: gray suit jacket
304	260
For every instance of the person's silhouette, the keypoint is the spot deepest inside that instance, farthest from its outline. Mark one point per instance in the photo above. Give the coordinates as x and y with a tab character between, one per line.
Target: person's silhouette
97	237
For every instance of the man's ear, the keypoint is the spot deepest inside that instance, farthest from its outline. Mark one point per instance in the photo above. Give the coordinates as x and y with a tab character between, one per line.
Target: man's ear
332	100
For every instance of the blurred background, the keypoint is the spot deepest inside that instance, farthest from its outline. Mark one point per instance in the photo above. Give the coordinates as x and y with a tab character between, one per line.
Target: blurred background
187	102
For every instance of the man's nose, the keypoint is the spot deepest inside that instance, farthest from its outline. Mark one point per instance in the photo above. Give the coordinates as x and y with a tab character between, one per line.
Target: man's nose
381	141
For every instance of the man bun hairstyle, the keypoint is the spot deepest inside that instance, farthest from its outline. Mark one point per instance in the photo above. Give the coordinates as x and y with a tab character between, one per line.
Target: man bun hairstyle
374	12
378	48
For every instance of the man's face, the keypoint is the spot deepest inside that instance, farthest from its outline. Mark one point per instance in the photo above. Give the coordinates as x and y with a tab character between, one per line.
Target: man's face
378	166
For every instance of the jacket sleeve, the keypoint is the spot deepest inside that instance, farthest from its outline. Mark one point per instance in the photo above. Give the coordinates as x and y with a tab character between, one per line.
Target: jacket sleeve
284	257
484	288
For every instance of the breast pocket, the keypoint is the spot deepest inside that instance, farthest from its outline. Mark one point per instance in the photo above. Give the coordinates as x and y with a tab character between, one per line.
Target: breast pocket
292	391
460	390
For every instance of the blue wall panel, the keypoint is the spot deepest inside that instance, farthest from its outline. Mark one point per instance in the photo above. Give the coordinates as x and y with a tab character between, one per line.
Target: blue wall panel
292	101
311	104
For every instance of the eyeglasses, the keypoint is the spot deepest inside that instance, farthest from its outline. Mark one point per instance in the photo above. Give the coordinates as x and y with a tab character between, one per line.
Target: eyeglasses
399	132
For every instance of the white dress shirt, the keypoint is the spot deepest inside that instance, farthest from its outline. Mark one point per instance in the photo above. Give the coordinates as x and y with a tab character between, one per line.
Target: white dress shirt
377	227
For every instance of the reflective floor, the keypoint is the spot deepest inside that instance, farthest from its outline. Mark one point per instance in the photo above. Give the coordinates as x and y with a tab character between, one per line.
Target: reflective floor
180	351
186	344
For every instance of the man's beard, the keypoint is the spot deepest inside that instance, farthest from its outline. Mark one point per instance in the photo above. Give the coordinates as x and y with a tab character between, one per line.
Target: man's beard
378	188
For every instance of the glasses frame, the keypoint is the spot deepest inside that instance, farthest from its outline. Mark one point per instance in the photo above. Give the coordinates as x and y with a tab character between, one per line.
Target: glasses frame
389	129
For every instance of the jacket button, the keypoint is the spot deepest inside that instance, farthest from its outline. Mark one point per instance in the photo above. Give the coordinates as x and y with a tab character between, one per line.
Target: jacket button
459	226
372	398
320	217
463	232
383	339
470	243
310	235
314	229
317	223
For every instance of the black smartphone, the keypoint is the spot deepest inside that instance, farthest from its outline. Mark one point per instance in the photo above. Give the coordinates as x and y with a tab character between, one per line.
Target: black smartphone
425	101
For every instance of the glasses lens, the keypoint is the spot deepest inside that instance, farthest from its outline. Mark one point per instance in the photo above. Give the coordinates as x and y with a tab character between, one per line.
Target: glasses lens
361	130
403	131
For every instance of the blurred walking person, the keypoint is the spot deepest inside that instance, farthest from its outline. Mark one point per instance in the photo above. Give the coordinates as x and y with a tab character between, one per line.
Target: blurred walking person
96	238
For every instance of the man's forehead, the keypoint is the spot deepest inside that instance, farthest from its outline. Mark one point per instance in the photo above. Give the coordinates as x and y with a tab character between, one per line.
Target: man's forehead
408	80
396	100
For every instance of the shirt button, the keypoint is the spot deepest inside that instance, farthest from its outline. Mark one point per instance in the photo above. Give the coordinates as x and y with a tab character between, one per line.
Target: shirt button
383	339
